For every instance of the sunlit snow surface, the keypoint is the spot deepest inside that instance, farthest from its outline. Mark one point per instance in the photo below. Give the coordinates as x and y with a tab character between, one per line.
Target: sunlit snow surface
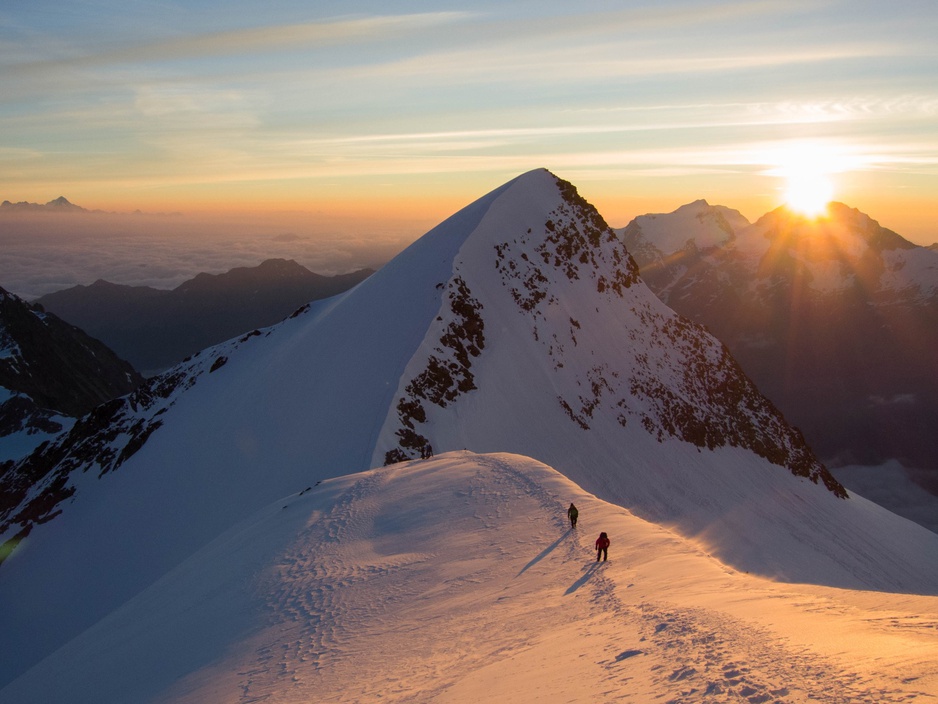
458	579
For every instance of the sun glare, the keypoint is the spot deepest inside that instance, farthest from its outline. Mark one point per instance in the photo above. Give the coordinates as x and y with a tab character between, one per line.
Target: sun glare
808	172
808	192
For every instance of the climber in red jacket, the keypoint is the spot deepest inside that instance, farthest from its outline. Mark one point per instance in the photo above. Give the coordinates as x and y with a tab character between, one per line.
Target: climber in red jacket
602	546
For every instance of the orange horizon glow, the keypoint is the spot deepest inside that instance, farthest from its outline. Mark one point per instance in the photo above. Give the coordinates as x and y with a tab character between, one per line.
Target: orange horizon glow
416	205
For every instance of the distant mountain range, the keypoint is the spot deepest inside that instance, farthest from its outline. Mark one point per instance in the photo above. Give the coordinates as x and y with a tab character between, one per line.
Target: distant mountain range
59	205
835	319
156	328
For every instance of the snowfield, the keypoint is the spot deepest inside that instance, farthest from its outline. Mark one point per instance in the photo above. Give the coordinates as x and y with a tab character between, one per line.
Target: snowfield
458	579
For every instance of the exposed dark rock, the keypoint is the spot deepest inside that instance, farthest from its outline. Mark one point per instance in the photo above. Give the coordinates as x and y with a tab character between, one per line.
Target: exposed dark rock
56	365
684	385
447	375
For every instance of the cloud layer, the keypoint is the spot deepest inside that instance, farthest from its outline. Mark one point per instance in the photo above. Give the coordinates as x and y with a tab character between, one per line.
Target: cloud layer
47	252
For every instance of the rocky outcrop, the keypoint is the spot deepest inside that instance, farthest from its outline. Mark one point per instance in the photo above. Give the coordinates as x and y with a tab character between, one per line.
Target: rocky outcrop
55	364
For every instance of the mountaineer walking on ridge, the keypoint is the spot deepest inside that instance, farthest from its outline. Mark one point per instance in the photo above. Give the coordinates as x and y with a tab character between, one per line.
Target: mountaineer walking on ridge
602	546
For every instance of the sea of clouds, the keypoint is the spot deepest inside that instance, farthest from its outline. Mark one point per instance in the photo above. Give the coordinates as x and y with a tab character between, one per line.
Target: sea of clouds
45	252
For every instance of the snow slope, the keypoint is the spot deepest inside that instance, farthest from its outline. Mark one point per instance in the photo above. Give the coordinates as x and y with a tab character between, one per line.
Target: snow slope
518	325
300	402
458	580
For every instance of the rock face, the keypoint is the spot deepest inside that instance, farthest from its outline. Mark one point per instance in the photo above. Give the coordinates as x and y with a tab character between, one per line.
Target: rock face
835	319
155	328
51	372
55	364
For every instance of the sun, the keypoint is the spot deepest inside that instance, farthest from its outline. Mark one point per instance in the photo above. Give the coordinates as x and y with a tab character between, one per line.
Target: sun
807	170
808	192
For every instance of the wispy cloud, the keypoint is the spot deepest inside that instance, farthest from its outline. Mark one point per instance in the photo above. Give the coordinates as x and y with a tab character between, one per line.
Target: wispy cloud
250	40
589	65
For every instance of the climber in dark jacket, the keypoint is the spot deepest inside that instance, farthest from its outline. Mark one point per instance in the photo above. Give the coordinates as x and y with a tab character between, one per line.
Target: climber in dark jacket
572	513
602	546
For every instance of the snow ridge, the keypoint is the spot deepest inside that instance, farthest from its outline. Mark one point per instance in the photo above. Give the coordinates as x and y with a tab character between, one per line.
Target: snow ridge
399	584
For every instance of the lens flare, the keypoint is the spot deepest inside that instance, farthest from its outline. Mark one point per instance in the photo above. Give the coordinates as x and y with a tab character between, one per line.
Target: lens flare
808	192
808	170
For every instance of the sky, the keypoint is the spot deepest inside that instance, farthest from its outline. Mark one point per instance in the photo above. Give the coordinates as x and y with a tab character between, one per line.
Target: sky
363	113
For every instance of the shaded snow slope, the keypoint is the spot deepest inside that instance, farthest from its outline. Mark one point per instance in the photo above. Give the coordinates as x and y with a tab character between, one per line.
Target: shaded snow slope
458	580
518	325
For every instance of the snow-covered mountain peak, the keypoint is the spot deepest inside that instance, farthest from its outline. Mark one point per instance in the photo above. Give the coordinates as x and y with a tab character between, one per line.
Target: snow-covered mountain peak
58	205
579	340
828	314
549	248
519	323
697	226
839	221
836	252
840	251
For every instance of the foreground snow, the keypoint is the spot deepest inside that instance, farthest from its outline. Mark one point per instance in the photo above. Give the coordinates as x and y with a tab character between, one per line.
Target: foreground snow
457	579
